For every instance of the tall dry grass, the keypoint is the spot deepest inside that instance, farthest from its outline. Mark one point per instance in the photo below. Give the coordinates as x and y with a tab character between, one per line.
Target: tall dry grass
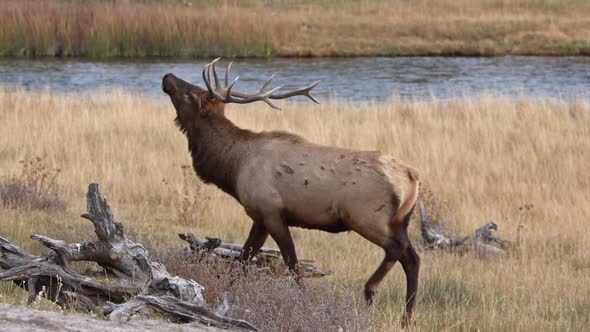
149	28
487	156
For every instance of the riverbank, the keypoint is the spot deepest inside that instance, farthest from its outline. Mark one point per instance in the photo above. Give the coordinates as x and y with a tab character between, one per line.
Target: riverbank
483	158
134	29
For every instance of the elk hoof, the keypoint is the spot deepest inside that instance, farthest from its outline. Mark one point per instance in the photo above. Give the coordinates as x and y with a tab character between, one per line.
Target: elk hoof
369	294
406	320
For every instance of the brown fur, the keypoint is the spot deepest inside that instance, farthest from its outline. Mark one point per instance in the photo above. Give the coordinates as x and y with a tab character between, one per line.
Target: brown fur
283	180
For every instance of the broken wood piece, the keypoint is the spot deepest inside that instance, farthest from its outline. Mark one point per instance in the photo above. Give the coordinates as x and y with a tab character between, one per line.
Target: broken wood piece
433	238
266	257
176	311
485	233
481	242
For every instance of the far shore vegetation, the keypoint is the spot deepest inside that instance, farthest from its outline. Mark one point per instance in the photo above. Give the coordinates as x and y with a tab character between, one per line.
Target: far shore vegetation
280	28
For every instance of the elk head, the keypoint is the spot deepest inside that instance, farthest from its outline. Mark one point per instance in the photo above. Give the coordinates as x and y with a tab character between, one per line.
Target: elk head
191	101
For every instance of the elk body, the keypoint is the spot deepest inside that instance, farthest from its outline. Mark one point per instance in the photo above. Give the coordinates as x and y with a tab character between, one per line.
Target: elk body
282	180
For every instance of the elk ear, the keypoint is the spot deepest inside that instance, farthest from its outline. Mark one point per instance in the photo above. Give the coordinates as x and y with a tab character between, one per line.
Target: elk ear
196	99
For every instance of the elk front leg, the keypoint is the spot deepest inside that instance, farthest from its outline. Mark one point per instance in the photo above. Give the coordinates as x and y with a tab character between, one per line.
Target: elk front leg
258	234
280	233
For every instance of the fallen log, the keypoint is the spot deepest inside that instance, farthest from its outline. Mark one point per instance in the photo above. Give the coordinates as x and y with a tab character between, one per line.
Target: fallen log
130	283
264	258
483	243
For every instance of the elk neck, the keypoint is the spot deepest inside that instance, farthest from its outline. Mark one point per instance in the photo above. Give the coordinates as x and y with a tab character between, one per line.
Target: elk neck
217	148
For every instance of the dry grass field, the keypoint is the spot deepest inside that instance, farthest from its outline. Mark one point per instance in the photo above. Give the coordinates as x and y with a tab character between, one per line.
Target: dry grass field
169	28
485	157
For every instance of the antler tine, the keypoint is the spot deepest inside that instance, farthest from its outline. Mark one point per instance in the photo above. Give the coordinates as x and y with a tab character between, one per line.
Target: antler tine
267	82
207	78
228	93
301	92
227	72
268	94
207	82
252	98
217	85
245	95
209	74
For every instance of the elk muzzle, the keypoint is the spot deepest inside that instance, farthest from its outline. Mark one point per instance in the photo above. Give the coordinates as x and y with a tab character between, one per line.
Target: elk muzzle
168	83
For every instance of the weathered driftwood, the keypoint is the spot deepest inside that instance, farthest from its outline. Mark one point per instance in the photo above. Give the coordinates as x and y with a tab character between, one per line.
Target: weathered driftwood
130	284
266	257
482	242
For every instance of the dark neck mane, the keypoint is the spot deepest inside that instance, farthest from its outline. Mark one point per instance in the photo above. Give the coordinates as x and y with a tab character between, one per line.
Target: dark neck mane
217	147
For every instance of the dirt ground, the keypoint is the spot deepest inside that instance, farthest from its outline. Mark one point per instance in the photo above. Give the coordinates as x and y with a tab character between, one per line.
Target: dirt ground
17	318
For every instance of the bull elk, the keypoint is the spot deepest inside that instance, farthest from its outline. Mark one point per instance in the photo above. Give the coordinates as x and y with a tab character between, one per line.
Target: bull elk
283	180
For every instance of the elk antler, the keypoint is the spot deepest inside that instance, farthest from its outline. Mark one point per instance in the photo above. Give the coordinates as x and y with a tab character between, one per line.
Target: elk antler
226	95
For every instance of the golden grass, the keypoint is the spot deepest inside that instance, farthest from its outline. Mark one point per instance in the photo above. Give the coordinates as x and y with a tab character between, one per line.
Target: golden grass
293	28
486	155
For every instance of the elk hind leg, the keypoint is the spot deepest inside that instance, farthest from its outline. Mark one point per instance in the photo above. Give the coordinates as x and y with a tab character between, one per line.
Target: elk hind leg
393	252
411	264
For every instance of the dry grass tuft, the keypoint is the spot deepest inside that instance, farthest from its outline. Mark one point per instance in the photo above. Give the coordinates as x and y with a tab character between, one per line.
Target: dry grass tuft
270	302
192	197
35	188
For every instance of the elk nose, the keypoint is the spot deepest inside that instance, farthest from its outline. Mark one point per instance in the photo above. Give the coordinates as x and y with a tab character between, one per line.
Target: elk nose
166	84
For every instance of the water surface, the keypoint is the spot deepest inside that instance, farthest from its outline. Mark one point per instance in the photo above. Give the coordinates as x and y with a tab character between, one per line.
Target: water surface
354	79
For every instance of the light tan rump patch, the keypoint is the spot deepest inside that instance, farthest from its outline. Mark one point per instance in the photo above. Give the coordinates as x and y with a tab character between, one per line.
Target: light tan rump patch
404	181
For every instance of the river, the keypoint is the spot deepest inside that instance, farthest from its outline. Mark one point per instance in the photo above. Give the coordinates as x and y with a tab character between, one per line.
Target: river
352	79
